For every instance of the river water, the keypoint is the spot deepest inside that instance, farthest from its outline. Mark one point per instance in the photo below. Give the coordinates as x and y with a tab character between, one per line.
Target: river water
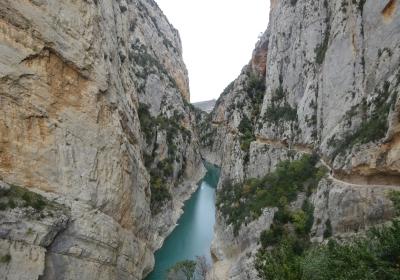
194	233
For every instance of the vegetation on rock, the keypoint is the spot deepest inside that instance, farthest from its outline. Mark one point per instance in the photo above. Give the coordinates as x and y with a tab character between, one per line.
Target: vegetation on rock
255	90
321	49
375	256
373	128
243	203
5	259
183	270
189	270
20	197
279	109
246	135
161	172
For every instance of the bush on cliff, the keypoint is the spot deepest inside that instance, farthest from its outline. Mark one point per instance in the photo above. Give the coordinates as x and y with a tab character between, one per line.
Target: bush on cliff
373	256
242	203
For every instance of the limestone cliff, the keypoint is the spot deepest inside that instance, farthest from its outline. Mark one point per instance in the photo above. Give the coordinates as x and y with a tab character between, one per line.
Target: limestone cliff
97	151
324	78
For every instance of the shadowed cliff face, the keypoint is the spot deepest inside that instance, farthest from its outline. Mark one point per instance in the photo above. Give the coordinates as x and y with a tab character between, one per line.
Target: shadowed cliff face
74	77
324	78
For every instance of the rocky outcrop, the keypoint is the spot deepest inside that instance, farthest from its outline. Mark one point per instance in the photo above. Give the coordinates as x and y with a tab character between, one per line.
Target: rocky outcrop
324	78
349	208
78	80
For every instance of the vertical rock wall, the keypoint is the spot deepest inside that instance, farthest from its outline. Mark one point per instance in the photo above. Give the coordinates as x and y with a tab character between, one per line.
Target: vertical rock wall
73	77
324	78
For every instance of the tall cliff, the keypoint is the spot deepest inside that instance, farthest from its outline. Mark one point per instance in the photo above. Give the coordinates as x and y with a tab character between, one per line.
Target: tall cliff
97	151
324	81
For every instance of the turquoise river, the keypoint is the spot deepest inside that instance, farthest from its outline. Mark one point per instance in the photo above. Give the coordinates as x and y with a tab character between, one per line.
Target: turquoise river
193	235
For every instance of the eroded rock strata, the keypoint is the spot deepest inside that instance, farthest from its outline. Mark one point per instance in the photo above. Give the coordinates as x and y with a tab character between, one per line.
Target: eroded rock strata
324	80
97	151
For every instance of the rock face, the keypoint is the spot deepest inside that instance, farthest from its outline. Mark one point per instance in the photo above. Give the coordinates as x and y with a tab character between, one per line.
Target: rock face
78	82
324	78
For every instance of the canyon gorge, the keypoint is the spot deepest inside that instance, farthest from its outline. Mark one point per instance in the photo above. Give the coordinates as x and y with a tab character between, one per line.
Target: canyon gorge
100	146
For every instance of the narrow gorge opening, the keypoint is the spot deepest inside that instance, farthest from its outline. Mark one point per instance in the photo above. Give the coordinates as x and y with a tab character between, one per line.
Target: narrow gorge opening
194	232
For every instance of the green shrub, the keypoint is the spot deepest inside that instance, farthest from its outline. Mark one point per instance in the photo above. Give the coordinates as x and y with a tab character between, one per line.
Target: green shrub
163	172
299	220
374	257
159	194
27	197
11	203
320	50
21	197
255	91
273	236
147	122
39	204
277	113
281	263
308	207
328	229
184	270
5	258
3	206
279	109
246	134
244	202
395	197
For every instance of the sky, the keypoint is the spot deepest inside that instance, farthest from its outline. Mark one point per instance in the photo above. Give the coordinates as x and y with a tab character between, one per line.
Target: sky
218	38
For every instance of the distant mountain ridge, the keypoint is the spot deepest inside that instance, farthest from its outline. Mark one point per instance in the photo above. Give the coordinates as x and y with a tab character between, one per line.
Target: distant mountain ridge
206	106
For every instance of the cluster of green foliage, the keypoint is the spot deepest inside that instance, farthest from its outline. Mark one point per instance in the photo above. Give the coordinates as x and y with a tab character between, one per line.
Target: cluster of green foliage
320	50
5	258
158	179
302	221
279	109
172	126
189	269
246	135
373	128
255	91
293	256
184	270
147	122
163	170
242	203
375	256
20	197
328	229
277	113
395	197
